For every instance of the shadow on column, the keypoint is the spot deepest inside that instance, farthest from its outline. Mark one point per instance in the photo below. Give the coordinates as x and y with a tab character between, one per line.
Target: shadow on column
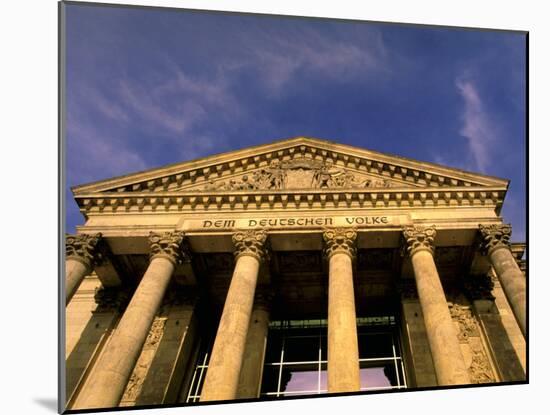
164	377
88	346
505	355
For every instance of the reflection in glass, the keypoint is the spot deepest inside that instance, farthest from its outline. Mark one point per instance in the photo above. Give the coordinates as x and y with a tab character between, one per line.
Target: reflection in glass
378	377
296	357
300	378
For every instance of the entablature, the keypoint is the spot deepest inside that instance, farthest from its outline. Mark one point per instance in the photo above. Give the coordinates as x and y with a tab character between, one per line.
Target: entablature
123	202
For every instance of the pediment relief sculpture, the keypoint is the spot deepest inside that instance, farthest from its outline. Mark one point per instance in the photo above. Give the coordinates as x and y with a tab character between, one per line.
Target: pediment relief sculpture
299	174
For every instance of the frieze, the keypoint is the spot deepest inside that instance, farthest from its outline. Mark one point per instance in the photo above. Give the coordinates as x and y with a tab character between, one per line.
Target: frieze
307	222
299	174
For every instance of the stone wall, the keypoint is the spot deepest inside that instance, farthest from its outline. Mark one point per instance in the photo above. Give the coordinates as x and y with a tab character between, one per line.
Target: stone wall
90	318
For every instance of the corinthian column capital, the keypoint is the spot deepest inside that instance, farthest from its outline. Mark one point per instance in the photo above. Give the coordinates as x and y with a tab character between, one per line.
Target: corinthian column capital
251	243
83	248
340	240
494	237
169	245
419	238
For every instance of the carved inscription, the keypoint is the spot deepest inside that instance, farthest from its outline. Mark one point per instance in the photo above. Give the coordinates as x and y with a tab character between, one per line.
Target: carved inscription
296	222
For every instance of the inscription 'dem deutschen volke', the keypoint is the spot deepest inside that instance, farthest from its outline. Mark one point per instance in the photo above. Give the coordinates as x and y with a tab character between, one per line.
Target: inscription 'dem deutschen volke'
298	222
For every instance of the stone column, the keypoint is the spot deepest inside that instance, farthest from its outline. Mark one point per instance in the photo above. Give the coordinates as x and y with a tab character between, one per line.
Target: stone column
256	341
449	365
343	350
224	367
496	244
110	375
81	253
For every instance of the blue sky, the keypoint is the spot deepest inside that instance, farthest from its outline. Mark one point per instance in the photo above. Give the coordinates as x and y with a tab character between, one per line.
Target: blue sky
149	87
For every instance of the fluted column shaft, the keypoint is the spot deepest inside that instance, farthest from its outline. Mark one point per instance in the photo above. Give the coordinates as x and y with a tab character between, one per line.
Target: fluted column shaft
111	373
80	256
343	350
496	244
447	356
224	367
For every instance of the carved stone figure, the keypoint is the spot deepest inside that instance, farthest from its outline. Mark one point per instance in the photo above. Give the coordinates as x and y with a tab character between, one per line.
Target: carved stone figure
245	184
379	183
299	174
278	176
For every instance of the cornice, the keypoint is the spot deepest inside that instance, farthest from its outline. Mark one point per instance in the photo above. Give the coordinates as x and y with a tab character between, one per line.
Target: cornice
414	173
124	202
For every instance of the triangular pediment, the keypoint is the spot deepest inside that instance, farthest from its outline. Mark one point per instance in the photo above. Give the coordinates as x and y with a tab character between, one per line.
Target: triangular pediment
294	164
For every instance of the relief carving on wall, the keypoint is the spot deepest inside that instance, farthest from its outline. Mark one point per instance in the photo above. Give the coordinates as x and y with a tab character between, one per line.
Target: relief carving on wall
466	322
469	335
133	388
299	174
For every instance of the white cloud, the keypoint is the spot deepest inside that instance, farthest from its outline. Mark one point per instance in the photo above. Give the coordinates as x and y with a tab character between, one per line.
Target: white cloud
477	127
278	59
95	156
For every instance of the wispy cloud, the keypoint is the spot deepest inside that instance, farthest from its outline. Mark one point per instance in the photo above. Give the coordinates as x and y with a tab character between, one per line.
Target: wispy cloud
476	125
94	155
281	58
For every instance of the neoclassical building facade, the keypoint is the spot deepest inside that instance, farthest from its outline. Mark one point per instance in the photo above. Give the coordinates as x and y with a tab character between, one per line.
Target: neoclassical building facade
300	267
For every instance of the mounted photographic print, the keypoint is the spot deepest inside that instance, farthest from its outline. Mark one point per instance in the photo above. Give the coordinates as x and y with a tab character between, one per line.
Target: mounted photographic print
263	207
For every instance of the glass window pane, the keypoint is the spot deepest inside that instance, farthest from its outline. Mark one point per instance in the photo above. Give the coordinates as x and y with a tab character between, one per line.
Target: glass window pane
302	349
375	345
274	347
378	375
324	347
270	379
300	378
323	378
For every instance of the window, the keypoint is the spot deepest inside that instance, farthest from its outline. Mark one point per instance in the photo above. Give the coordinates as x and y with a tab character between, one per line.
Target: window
200	372
296	357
